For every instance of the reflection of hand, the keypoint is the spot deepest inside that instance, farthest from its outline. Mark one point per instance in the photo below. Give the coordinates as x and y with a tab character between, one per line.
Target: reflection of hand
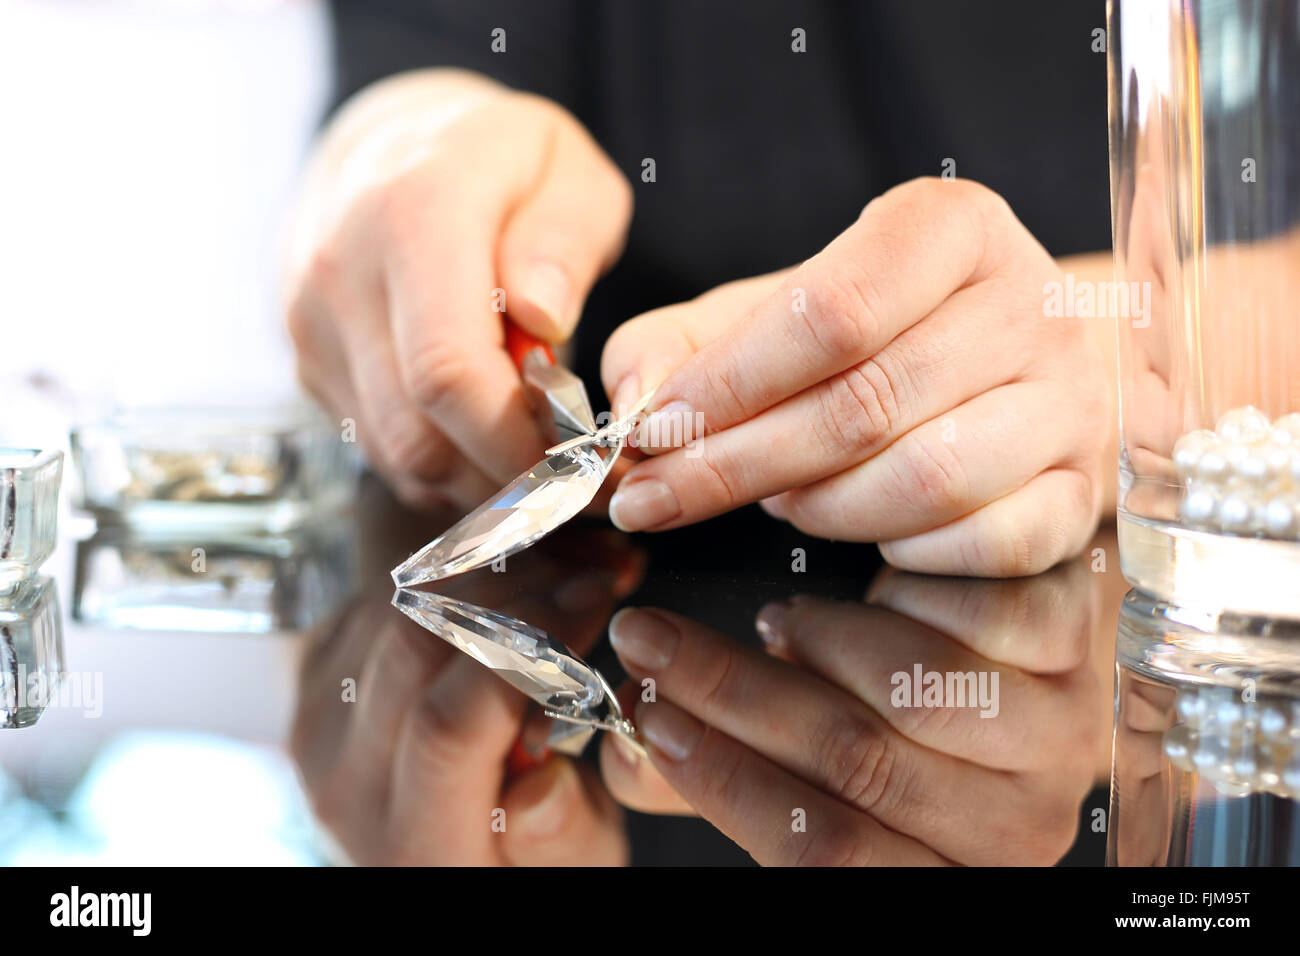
904	385
413	771
1140	832
747	738
438	199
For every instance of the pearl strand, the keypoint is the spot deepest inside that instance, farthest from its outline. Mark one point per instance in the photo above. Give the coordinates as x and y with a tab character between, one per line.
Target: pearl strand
1243	477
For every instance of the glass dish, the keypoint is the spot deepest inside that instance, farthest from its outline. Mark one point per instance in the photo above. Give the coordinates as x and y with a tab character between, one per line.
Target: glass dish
29	513
231	470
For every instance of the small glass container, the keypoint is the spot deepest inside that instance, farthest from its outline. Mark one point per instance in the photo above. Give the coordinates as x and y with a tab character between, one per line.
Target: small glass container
29	512
213	470
31	654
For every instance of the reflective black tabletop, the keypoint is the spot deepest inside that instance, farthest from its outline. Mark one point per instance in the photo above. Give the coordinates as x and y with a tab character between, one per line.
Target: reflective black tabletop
273	707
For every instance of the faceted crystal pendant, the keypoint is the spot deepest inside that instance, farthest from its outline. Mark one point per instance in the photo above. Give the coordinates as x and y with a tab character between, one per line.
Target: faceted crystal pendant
528	658
527	509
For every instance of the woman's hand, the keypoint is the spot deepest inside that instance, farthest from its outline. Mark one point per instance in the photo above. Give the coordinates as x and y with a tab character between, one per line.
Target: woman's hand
411	766
808	754
905	385
436	201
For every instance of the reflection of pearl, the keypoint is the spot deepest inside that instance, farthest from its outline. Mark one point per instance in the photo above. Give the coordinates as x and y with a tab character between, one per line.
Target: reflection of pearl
1238	746
1244	477
1279	518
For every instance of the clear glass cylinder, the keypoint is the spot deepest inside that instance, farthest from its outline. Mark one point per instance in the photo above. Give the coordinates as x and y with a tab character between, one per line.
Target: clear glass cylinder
1205	191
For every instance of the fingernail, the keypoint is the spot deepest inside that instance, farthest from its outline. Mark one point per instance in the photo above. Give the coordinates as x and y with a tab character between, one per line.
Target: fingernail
546	815
773	507
643	640
549	289
669	729
626	392
769	621
669	427
626	750
638	505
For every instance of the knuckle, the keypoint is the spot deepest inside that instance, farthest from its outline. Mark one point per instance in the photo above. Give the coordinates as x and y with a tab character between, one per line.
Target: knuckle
404	443
931	477
435	375
721	683
438	737
843	310
859	763
859	407
720	473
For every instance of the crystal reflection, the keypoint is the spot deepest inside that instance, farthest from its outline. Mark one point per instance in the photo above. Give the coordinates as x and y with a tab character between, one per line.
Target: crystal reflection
1207	739
31	653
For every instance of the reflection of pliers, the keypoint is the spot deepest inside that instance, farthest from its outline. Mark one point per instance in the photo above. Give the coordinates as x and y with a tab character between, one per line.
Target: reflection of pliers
545	496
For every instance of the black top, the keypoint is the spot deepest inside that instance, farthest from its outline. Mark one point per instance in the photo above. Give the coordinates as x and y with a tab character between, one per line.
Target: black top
764	154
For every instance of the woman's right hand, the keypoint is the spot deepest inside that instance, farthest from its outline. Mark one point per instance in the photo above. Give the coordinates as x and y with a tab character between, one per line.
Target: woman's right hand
436	201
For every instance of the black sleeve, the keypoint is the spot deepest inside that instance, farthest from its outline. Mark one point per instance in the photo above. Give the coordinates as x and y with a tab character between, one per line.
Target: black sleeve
377	38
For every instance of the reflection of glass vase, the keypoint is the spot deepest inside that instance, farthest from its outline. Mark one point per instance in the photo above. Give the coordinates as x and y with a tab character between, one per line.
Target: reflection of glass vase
31	653
1205	187
1207	739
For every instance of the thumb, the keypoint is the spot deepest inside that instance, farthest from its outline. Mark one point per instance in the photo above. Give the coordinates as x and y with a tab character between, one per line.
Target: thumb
645	350
560	815
564	235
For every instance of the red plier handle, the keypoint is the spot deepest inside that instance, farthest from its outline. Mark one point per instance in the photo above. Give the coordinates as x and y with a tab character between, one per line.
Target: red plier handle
520	344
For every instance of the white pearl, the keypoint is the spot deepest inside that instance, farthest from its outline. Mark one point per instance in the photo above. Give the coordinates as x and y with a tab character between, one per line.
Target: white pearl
1251	466
1199	505
1288	428
1189	449
1245	425
1235	513
1213	465
1279	518
1277	459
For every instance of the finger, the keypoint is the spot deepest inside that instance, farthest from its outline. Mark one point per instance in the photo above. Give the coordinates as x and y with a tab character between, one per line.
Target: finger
321	360
1048	520
945	468
451	751
558	814
422	465
564	235
909	251
965	348
777	818
1040	624
418	461
643	351
631	776
440	275
1002	718
806	726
